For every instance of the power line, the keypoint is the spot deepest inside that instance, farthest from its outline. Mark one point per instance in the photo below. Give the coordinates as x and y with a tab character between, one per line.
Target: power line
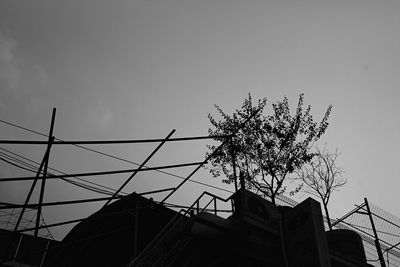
32	168
15	159
8	179
88	187
117	158
14	164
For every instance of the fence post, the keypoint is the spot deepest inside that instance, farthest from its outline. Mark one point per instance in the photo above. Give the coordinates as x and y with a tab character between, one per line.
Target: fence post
377	244
44	253
17	249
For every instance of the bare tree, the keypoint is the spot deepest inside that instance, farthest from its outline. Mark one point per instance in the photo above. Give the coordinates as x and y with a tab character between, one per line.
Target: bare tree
322	176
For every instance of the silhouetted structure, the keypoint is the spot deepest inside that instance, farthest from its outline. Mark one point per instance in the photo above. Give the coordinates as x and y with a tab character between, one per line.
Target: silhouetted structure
135	231
17	249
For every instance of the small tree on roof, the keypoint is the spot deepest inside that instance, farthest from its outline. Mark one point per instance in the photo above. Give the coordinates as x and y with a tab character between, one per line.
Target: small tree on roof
322	176
267	148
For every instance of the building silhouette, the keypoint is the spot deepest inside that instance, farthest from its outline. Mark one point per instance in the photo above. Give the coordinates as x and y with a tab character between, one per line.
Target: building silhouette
136	231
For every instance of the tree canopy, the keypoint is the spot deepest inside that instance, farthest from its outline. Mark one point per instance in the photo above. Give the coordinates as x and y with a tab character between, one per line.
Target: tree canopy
267	148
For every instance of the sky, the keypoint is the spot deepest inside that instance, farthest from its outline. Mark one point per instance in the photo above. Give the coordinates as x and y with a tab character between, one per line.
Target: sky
138	69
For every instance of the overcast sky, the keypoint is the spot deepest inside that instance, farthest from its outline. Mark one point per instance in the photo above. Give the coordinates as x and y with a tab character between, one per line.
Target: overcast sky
138	69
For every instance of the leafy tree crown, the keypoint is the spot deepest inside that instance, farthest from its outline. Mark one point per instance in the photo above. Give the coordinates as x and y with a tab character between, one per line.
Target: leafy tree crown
268	147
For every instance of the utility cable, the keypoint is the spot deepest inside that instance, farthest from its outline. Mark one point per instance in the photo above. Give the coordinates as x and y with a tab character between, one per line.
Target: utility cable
15	159
91	188
115	157
33	169
14	179
14	164
25	158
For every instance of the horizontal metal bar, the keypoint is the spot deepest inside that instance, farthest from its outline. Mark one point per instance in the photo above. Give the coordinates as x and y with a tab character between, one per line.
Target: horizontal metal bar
105	142
358	207
15	179
78	201
58	203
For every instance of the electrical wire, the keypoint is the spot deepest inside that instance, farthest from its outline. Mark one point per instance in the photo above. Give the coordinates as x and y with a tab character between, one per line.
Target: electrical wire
27	159
91	188
282	198
115	157
111	156
106	190
14	179
14	164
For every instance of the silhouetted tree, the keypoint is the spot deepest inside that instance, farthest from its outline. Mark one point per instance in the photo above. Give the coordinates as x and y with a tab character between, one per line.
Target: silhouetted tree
322	176
267	148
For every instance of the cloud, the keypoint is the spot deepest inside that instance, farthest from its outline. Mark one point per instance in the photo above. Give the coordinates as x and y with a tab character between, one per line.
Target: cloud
16	74
101	115
10	72
10	192
22	83
7	45
6	132
41	74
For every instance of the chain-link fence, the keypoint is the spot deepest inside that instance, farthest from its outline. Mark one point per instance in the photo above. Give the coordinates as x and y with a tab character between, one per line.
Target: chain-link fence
379	229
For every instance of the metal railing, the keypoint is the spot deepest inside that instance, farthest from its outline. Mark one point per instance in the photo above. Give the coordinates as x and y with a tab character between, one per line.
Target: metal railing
171	238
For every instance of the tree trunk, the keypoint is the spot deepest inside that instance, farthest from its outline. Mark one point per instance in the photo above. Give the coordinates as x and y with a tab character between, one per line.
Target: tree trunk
273	199
328	219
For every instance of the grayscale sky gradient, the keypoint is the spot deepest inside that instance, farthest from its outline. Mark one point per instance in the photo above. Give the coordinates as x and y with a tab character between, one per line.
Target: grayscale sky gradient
138	69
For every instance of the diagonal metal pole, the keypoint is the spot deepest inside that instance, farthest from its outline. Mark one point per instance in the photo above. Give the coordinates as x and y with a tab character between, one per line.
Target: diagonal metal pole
377	244
140	167
31	189
46	164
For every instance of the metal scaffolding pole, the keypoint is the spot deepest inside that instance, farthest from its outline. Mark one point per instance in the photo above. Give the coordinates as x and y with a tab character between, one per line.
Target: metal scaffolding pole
107	142
75	175
46	164
141	166
32	188
211	155
377	244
